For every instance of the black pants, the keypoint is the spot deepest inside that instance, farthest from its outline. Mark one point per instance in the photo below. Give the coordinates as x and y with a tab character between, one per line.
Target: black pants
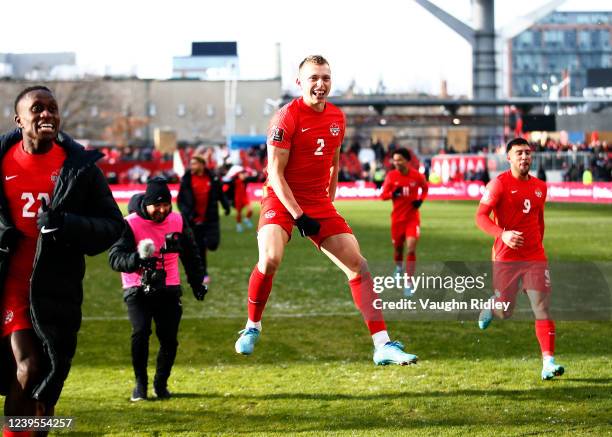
208	237
166	309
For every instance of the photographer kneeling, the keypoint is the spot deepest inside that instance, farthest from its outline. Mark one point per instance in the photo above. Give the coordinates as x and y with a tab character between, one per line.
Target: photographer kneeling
147	255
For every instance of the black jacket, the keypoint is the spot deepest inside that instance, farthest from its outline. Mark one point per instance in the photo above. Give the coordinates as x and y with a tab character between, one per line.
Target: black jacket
92	223
186	201
123	255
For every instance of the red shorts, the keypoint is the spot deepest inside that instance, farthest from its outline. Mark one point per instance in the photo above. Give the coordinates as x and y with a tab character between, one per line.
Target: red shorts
332	223
400	230
533	275
15	319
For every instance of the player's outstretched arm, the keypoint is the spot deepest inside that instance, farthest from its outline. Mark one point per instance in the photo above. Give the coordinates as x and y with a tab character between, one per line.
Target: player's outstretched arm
277	161
333	175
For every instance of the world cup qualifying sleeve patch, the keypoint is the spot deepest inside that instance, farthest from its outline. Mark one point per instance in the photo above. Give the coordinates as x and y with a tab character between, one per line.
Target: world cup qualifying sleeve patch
277	134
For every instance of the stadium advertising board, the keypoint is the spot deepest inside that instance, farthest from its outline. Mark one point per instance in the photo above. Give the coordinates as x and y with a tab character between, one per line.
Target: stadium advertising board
598	192
456	167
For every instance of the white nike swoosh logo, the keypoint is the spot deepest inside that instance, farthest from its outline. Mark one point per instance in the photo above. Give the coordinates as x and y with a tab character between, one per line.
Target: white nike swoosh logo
8	178
513	191
44	230
3	249
305	129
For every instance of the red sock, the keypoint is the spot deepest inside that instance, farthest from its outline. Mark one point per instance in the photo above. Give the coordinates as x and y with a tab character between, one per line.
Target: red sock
260	286
362	289
249	213
545	331
411	263
398	254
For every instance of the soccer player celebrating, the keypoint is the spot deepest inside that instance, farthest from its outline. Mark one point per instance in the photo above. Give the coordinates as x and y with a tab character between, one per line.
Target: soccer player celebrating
408	188
55	207
304	141
517	201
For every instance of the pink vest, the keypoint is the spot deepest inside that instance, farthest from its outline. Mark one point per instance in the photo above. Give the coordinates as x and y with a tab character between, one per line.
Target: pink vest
143	229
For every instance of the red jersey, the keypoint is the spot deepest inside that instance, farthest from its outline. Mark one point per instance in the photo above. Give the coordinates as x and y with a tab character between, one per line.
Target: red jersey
414	187
241	197
518	206
27	178
312	138
201	187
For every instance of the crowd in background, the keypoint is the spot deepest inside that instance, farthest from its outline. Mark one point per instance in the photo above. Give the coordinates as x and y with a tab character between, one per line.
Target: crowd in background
357	163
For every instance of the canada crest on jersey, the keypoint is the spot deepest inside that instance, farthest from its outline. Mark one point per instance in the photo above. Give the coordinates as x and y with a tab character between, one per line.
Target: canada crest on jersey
55	176
8	317
334	129
538	192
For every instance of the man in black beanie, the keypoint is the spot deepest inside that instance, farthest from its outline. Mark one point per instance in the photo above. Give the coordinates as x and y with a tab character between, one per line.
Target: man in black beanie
147	255
157	192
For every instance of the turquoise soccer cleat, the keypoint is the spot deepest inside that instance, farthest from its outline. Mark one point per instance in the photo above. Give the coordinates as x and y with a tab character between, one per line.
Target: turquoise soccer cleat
409	291
246	342
393	353
485	318
550	369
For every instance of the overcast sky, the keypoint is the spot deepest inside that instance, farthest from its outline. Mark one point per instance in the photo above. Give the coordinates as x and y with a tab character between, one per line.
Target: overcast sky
395	40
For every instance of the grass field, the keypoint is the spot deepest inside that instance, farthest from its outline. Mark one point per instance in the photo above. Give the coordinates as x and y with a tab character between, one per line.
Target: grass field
312	372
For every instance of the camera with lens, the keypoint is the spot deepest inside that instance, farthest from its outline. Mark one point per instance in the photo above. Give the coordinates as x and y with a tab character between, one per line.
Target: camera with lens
154	279
172	243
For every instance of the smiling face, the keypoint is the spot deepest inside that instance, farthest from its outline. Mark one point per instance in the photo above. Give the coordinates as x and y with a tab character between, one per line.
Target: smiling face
315	82
38	117
159	211
399	162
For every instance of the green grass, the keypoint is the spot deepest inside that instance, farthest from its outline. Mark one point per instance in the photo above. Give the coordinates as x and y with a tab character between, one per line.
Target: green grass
312	372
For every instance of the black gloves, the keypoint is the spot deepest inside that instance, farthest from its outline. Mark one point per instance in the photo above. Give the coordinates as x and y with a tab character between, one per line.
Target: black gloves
49	220
307	226
199	291
9	239
417	203
147	263
398	192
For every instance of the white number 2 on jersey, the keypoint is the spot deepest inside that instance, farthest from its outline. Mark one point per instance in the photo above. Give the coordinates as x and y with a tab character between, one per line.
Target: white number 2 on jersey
321	144
29	198
527	206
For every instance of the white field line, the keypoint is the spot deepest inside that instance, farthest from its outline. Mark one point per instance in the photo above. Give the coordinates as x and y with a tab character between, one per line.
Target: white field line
319	314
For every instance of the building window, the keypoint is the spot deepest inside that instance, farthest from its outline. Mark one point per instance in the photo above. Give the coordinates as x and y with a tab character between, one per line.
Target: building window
210	110
569	38
181	110
94	111
553	38
239	111
525	39
152	110
584	39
